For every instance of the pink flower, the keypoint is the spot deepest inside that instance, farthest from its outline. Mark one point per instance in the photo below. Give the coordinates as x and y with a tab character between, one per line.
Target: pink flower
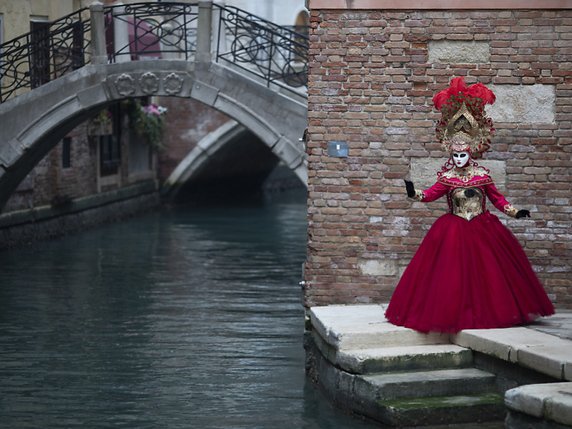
154	110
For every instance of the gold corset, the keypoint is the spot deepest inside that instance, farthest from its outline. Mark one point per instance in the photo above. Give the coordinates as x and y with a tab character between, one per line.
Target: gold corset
465	206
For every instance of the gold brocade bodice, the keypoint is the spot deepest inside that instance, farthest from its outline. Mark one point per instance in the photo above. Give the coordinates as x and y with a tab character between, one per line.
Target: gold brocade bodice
466	202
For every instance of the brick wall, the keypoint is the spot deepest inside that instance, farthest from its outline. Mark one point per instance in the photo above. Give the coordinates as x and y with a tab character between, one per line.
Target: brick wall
49	180
49	183
187	122
372	76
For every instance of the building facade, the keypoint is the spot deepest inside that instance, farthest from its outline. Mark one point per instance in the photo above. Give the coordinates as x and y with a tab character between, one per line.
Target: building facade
189	121
106	159
101	162
374	68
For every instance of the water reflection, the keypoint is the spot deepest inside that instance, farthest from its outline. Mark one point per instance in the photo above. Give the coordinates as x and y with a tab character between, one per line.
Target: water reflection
180	319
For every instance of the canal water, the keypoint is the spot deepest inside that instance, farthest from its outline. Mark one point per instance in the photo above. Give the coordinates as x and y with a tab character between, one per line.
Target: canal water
184	318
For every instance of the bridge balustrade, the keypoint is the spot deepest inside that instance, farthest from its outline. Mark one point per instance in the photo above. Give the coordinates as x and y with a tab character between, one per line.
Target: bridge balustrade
151	31
165	30
44	54
276	53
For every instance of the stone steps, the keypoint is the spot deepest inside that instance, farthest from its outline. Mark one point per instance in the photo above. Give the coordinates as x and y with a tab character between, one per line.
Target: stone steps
419	396
398	376
412	384
384	359
436	410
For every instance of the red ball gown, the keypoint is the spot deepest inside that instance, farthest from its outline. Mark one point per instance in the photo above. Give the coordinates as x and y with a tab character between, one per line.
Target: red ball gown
469	272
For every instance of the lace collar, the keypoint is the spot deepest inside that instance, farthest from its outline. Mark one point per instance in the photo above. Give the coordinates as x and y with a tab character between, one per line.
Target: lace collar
470	173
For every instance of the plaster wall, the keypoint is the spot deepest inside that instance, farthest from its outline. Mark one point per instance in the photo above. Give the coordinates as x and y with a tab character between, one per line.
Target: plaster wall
281	12
17	14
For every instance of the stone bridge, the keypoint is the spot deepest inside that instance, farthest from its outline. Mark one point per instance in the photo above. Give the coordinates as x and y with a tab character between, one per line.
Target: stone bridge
256	95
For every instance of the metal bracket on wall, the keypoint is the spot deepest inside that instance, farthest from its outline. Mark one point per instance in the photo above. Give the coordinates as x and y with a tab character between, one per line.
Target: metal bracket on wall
338	149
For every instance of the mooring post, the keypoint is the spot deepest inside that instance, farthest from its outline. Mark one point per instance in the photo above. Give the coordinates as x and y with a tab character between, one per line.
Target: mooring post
204	32
98	50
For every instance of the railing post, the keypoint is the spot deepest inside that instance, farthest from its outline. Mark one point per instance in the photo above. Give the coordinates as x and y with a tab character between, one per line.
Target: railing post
204	31
168	45
218	30
98	49
121	35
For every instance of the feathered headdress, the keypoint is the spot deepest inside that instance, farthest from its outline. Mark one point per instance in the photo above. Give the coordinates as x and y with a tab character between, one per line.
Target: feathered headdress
463	124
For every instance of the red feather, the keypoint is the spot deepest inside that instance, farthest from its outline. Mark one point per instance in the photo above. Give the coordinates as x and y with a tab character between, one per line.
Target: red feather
441	98
458	85
478	90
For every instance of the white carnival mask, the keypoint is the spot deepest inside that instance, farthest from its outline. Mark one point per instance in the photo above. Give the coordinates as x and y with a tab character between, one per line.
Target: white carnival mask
461	159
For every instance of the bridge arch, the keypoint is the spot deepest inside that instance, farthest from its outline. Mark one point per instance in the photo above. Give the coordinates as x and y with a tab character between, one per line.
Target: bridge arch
37	120
199	156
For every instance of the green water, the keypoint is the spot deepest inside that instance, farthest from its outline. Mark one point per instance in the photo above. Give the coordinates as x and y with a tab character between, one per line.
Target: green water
185	318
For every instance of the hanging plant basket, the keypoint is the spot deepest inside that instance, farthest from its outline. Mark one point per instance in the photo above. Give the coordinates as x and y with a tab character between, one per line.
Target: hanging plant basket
148	122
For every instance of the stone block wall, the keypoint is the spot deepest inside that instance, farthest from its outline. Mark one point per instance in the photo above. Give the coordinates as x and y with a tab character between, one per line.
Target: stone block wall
372	76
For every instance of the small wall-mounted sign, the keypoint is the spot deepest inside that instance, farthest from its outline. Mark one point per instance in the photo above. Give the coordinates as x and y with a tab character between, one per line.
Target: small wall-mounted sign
338	149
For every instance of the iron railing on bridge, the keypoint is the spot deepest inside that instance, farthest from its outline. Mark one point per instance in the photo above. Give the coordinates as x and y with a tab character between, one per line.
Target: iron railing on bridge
276	53
137	31
154	30
44	54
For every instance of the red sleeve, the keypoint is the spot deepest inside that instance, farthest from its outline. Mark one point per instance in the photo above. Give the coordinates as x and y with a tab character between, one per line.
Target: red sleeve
434	192
498	200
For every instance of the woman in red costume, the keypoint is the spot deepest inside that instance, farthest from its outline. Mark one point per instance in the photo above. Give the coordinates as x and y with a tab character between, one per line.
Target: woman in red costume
469	272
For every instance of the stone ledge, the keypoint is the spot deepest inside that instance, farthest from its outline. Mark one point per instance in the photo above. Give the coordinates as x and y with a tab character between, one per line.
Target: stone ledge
551	401
350	327
363	326
544	353
42	213
70	220
383	358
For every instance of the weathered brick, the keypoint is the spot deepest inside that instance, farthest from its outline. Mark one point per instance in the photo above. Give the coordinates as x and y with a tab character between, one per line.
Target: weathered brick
379	100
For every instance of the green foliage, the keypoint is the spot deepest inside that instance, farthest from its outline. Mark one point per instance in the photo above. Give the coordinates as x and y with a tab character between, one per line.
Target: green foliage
148	122
102	118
